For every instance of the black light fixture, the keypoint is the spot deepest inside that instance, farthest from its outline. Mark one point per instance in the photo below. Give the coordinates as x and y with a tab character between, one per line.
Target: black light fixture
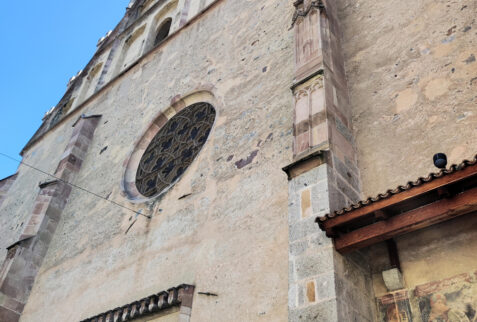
440	160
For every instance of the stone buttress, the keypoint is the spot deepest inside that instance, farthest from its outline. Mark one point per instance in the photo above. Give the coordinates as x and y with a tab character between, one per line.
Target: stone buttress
24	258
323	285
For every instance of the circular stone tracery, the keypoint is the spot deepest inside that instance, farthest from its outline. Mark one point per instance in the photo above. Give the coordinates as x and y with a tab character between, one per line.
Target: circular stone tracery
174	148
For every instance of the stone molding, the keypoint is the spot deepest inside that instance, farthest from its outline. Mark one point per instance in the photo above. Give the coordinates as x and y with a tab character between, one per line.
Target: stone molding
180	296
301	11
131	163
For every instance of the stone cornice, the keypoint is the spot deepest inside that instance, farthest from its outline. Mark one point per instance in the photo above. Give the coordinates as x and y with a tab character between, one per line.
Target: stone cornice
303	12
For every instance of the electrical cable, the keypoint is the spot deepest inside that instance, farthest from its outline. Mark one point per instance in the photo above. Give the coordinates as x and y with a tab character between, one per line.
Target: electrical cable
75	186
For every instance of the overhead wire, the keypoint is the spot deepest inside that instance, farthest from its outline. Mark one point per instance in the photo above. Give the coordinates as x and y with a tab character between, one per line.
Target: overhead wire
76	186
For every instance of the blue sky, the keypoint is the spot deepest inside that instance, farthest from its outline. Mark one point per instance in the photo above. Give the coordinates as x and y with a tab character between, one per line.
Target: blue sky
44	43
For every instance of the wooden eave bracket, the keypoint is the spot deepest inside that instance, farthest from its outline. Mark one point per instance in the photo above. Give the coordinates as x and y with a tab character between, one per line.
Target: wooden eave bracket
374	223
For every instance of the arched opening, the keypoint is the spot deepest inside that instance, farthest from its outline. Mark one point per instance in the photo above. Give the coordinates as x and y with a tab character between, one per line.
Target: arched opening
163	31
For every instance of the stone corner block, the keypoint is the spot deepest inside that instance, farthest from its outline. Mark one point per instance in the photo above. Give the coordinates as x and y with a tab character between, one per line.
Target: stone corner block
393	279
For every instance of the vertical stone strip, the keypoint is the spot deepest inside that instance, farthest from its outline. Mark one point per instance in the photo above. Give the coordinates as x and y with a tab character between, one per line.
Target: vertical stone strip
5	185
184	13
323	285
18	272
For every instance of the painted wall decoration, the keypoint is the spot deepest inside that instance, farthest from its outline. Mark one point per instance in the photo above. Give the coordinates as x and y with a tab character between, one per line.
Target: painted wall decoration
395	307
450	300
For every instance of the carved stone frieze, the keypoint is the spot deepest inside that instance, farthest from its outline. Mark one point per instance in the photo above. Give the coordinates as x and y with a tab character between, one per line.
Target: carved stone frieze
302	9
308	87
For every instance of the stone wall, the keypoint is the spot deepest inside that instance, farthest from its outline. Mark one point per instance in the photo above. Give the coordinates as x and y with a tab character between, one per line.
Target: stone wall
323	284
5	185
223	227
411	69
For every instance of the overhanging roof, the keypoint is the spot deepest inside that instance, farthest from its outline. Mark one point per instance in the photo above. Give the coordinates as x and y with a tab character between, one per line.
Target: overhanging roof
429	200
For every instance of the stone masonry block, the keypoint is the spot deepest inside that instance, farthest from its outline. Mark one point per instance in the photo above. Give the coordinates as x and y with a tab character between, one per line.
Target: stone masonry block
291	271
298	247
303	229
314	263
306	210
8	315
337	199
346	173
301	294
347	190
319	134
10	303
320	199
310	292
292	295
293	210
322	311
325	286
302	142
393	279
309	178
320	240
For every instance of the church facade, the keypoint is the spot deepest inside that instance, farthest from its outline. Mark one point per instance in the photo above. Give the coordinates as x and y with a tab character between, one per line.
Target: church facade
222	160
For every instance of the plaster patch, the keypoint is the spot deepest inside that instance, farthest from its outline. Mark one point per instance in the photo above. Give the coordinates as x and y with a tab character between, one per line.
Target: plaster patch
436	87
405	100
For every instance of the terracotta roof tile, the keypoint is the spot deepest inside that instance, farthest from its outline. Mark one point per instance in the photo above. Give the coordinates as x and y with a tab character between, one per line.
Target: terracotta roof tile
411	184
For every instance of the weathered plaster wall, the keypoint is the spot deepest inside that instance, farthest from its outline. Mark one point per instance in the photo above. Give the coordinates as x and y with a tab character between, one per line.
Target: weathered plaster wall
230	235
412	74
439	252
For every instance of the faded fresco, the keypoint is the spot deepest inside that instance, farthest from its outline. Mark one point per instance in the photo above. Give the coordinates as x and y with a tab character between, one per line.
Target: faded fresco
449	300
452	300
395	307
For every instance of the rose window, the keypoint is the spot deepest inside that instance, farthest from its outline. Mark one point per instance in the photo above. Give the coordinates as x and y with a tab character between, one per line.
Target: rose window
174	148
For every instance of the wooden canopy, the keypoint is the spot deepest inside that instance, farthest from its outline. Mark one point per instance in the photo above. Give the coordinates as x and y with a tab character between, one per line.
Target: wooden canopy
439	197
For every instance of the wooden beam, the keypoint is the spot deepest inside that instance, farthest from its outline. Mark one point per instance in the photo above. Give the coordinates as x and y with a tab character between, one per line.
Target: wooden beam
393	254
465	173
381	214
412	220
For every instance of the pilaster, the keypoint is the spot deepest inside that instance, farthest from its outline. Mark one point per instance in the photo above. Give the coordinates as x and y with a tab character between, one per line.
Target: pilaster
24	258
323	285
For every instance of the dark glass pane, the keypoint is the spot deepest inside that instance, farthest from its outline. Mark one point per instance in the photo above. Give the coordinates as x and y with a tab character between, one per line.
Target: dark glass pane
173	148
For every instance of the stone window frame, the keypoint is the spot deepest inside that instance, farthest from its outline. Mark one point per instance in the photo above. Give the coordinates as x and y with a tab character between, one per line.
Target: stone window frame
130	165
